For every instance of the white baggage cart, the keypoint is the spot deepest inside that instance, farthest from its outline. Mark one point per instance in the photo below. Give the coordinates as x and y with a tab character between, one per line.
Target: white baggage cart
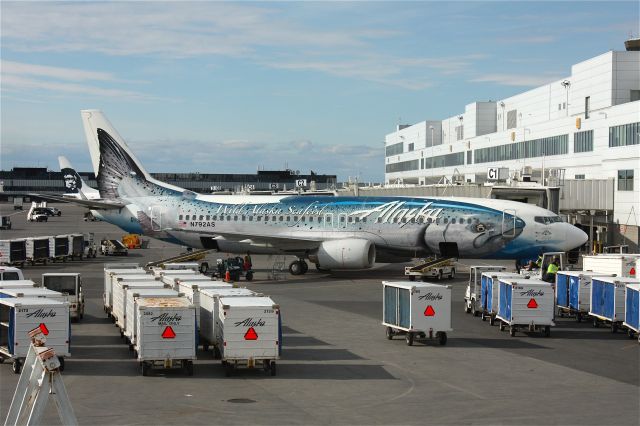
208	301
132	296
20	315
490	292
71	284
248	333
472	302
13	252
526	304
416	310
120	288
176	273
39	250
632	309
194	266
573	293
607	300
110	274
191	290
165	333
61	247
17	284
620	265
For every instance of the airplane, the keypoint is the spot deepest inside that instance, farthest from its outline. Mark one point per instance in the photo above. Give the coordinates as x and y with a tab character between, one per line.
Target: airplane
335	233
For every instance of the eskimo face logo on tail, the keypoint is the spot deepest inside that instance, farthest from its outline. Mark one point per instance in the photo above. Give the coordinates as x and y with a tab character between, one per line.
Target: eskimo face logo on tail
72	182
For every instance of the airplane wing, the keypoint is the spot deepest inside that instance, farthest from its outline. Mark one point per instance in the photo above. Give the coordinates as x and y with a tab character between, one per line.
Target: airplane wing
284	243
91	204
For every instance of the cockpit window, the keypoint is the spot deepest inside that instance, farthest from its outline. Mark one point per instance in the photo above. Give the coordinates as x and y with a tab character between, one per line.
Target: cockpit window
547	220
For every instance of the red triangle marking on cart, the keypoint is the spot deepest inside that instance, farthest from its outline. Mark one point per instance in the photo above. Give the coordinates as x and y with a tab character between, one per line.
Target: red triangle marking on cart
44	329
532	304
251	334
429	312
632	272
168	333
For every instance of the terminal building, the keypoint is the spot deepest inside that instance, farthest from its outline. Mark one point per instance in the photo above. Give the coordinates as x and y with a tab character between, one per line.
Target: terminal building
24	180
580	133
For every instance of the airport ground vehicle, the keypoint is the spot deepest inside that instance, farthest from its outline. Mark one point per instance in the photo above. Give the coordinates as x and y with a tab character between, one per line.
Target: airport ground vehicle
13	284
621	265
607	300
432	268
165	333
235	267
19	316
90	248
111	274
526	304
131	321
547	259
632	309
61	248
472	302
113	248
17	203
37	214
490	293
132	241
573	292
10	273
70	283
39	250
248	333
417	310
5	222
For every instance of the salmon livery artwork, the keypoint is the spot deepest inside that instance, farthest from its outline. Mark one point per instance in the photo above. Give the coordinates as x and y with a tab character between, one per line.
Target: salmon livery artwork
332	232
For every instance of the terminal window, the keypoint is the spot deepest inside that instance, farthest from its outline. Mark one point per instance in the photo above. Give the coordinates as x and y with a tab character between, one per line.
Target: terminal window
625	180
583	141
626	134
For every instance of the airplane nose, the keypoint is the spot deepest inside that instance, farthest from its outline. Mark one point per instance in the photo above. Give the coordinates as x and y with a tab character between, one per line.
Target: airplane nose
574	237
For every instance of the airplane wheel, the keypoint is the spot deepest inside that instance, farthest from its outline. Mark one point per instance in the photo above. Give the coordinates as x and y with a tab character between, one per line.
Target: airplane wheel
295	268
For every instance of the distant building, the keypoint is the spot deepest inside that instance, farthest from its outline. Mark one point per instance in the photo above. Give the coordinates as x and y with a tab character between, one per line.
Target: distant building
585	126
22	180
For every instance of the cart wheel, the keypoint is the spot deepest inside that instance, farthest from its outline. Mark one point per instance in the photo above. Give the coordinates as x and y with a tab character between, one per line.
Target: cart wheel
579	317
442	338
189	367
440	274
121	334
249	276
266	365
630	333
614	327
483	316
422	335
61	359
492	320
512	331
412	278
145	368
472	309
501	325
547	330
389	333
272	366
409	338
452	275
16	366
216	353
135	353
595	323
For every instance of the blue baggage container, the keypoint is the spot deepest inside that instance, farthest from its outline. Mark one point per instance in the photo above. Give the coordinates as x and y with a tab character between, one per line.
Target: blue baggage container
607	300
573	292
562	290
632	308
489	289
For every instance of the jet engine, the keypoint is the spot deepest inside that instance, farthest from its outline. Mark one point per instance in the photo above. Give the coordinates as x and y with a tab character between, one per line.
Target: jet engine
349	253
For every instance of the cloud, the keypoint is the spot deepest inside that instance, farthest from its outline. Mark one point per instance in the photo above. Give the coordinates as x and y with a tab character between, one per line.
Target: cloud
520	80
17	76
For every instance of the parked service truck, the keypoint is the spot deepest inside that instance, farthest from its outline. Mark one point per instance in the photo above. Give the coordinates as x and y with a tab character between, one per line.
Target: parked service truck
71	284
10	273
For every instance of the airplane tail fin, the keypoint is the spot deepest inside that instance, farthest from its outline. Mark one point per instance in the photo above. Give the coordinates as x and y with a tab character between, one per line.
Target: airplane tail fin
118	172
74	185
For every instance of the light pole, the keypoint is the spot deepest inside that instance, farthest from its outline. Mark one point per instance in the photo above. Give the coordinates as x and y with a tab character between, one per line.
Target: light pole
566	84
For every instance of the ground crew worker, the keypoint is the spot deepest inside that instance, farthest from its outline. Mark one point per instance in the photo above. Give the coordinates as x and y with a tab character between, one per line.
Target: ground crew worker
552	270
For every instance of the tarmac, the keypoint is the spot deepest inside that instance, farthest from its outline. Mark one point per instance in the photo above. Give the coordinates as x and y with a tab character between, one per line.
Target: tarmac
337	366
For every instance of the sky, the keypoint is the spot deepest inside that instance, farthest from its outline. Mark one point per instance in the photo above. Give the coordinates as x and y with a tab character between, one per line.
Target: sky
233	87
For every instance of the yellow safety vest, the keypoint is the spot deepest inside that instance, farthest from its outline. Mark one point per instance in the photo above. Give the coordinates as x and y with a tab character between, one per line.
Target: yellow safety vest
552	269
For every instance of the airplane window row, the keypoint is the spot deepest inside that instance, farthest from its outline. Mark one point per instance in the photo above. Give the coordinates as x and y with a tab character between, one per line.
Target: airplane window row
546	220
304	219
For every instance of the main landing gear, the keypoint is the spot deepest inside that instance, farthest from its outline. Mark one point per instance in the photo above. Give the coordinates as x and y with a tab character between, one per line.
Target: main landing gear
298	267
